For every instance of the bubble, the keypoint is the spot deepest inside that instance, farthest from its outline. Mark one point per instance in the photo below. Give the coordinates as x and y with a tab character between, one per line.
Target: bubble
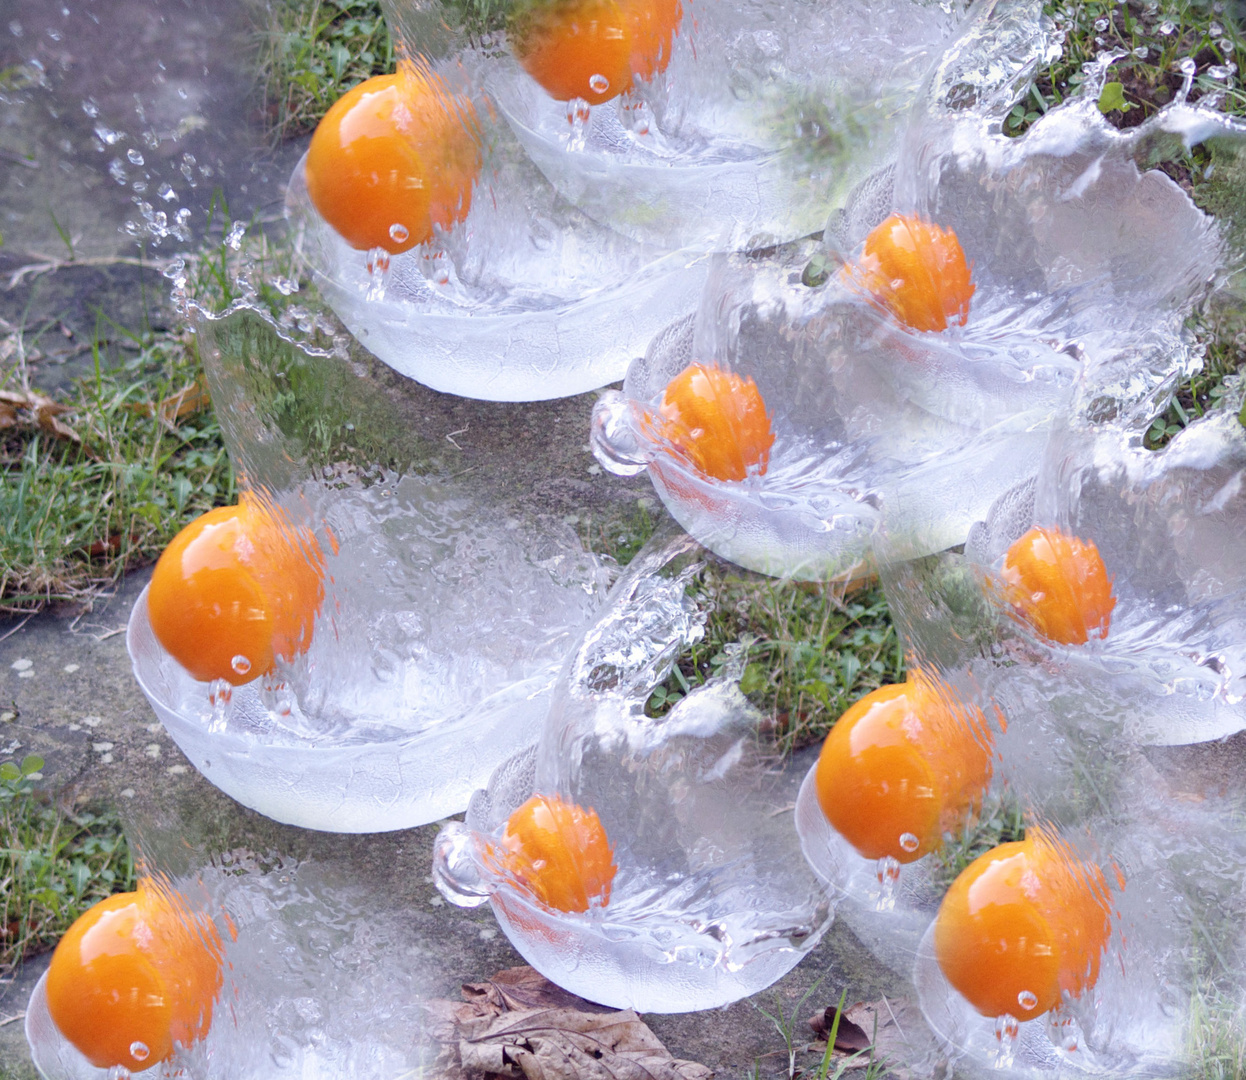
909	842
1027	999
399	233
599	84
139	1051
136	158
240	664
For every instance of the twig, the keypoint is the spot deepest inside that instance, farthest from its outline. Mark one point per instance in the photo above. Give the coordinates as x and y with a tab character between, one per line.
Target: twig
13	1019
9	633
50	263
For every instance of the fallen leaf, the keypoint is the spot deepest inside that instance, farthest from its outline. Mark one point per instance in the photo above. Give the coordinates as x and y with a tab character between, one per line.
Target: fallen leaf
524	988
8	415
187	401
520	1025
895	1028
849	1037
44	413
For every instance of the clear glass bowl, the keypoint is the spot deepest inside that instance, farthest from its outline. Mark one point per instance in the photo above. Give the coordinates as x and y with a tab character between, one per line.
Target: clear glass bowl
711	900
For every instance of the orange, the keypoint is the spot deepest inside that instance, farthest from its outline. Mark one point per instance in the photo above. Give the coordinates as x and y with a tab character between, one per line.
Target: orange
237	588
901	767
652	25
393	157
574	48
916	271
558	853
1059	585
716	421
1023	926
133	978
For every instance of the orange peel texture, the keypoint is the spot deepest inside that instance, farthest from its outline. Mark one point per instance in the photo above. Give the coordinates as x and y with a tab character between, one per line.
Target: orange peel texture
1059	585
1023	926
133	978
904	765
915	271
237	588
574	48
394	157
716	421
556	852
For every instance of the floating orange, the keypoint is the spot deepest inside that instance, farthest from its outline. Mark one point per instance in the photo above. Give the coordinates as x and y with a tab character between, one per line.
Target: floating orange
1059	585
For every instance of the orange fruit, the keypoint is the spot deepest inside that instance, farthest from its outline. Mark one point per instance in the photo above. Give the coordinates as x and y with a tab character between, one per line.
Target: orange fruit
237	588
574	48
1023	926
1059	585
558	853
916	271
133	978
716	421
652	24
901	767
393	157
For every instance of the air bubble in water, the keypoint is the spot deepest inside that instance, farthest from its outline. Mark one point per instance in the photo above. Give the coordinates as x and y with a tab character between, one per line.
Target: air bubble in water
399	233
909	842
136	158
240	664
599	84
1027	999
139	1051
234	237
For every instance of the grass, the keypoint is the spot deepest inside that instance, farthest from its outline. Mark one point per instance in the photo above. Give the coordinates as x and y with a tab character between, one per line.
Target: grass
811	650
1216	1037
310	52
53	864
1001	821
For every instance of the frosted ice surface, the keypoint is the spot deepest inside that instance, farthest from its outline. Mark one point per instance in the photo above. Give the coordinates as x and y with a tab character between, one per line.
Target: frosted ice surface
317	983
1084	270
766	115
525	299
432	661
712	900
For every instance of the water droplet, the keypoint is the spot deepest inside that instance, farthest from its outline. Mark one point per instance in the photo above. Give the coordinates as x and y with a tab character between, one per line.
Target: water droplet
91	108
236	232
1007	1028
1167	27
139	1051
1215	30
888	871
1218	72
221	698
135	157
1101	25
117	171
240	664
1142	52
118	1072
15	28
909	842
1187	66
1027	999
399	233
598	84
166	192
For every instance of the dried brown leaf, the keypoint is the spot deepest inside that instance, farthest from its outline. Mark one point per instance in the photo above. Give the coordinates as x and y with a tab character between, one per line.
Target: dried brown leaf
520	1025
849	1037
895	1027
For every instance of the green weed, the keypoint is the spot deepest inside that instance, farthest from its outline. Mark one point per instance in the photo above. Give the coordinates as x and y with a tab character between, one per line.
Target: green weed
310	53
811	650
1001	821
53	865
1216	1037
